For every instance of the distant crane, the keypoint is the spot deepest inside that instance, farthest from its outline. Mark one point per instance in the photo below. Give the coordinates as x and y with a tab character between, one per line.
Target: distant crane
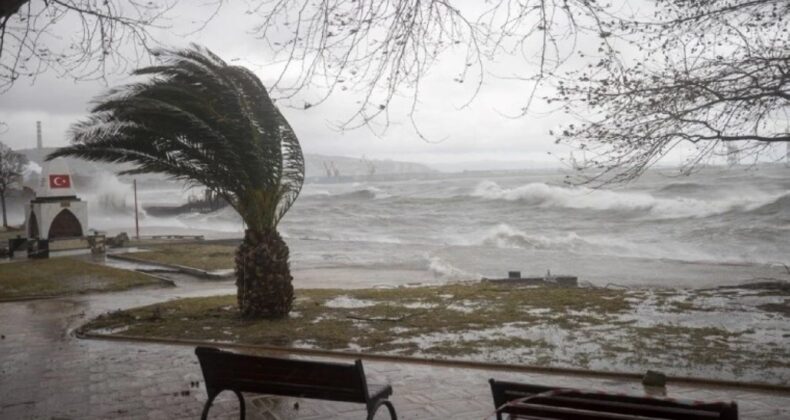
733	154
39	140
331	170
370	167
575	164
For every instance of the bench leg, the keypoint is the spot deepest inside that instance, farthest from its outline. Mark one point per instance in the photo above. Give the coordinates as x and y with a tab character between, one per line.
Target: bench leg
206	407
386	403
242	410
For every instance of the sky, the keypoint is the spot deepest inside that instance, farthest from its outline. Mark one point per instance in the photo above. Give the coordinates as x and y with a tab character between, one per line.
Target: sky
484	131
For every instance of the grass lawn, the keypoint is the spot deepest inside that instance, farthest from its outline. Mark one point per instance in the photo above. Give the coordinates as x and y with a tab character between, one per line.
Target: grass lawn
590	328
65	276
208	257
9	233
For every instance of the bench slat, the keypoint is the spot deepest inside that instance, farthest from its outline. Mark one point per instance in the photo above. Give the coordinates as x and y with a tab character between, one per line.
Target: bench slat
295	371
229	374
512	390
300	391
633	408
604	404
563	413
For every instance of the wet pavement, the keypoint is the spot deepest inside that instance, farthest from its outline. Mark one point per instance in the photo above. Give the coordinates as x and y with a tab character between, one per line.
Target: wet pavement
47	373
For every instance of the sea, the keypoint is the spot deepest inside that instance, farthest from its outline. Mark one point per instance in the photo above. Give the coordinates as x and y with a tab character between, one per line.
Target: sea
718	226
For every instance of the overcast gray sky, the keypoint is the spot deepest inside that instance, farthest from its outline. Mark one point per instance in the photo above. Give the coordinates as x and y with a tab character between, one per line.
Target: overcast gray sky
479	132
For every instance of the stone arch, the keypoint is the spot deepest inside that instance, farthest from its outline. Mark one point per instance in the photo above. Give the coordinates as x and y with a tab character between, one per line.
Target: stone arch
32	224
65	225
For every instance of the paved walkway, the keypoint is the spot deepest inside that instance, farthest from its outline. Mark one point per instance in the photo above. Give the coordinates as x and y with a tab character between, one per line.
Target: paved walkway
46	373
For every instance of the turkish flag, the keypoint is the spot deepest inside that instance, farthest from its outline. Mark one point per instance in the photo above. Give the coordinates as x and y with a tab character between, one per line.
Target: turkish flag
59	181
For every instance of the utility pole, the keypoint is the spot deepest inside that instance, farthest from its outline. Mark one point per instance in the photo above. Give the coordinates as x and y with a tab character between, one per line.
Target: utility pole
136	218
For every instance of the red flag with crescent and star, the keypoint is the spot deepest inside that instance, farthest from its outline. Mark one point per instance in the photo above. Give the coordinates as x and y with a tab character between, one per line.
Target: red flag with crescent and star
59	181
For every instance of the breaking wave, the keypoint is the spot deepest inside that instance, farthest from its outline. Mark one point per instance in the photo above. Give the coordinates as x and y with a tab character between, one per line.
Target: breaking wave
505	236
365	193
344	237
310	191
683	188
778	207
541	194
443	269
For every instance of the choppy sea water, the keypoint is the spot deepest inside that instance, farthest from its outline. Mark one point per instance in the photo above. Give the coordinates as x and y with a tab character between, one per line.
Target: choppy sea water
719	226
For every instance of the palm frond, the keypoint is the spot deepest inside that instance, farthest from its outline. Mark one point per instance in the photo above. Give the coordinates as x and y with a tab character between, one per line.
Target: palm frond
200	120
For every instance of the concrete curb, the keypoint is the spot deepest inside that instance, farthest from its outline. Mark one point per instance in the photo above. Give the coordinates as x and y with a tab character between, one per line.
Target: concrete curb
180	268
144	241
34	297
464	364
166	281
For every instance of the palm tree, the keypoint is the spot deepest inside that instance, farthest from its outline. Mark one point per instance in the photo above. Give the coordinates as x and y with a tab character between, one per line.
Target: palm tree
203	121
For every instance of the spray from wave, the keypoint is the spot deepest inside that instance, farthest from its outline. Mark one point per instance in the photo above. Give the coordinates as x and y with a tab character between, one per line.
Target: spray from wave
30	170
108	196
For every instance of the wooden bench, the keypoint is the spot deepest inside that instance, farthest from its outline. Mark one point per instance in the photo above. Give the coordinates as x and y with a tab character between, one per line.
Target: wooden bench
524	401
223	370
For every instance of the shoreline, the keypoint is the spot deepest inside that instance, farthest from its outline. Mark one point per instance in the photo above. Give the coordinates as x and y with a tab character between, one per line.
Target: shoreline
316	263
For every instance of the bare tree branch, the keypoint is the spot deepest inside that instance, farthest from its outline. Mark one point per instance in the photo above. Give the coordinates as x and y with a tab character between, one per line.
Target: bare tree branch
79	39
12	164
710	73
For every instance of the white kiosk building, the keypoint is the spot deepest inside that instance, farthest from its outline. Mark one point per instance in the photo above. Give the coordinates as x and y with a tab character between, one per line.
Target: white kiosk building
56	212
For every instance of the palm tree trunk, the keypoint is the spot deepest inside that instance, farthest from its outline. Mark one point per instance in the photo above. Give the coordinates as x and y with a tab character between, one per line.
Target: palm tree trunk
263	275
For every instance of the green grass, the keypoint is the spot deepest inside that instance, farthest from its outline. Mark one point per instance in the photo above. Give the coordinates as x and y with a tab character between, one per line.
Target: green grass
208	257
10	232
65	276
576	327
433	309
